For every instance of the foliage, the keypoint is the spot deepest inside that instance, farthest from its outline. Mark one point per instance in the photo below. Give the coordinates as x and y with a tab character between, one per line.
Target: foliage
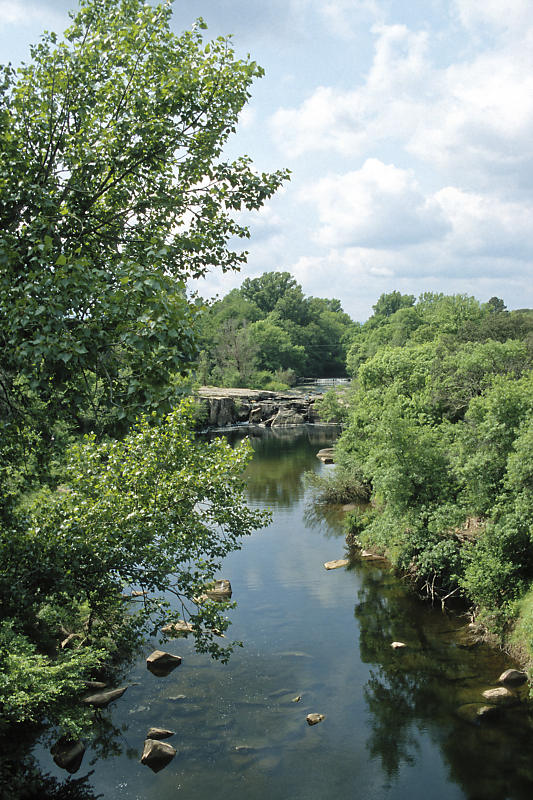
34	686
439	425
332	406
114	191
280	330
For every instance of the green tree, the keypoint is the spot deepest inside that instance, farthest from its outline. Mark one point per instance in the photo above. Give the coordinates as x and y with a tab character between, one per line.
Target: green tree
268	289
114	192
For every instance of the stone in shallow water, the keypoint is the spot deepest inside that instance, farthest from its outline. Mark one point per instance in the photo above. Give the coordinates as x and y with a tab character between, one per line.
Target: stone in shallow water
314	719
221	589
102	699
500	696
156	754
161	664
179	628
477	712
159	733
68	754
340	562
513	677
368	556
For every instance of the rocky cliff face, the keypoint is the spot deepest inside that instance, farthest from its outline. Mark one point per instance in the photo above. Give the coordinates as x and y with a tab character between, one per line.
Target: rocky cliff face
271	409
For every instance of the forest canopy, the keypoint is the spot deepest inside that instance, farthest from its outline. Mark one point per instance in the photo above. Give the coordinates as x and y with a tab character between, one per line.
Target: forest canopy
267	333
438	438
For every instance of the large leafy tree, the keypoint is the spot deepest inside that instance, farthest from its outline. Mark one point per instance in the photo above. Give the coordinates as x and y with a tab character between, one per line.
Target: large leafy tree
114	191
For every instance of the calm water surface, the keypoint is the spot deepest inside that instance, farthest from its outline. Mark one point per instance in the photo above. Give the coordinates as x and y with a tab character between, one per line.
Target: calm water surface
391	729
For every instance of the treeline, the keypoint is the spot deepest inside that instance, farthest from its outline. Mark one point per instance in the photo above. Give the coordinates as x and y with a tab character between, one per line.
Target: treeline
267	333
439	435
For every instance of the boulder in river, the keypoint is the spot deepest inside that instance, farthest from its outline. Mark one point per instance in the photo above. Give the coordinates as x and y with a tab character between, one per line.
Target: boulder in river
157	754
340	562
102	699
368	556
96	684
161	664
159	733
179	628
512	677
68	754
314	719
500	696
325	455
221	590
477	712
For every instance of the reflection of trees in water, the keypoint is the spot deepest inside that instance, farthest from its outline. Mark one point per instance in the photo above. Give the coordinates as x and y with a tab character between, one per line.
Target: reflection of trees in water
328	519
22	779
417	690
276	477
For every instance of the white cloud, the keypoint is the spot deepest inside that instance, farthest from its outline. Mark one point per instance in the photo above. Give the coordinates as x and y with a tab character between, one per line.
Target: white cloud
377	206
472	119
387	105
18	12
487	226
511	15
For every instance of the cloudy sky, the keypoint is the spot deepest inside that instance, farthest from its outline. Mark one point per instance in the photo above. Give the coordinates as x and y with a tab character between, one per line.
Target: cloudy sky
408	127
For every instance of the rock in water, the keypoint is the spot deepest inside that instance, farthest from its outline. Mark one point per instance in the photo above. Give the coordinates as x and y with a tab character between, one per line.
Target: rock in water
156	754
159	733
68	754
161	664
221	589
476	713
314	719
102	699
513	677
179	628
340	562
500	696
325	455
368	556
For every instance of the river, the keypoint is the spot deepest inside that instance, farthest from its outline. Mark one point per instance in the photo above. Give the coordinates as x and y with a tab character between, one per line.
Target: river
391	729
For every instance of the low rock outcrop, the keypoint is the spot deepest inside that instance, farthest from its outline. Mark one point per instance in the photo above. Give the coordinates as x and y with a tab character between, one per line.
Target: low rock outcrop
339	562
512	677
258	407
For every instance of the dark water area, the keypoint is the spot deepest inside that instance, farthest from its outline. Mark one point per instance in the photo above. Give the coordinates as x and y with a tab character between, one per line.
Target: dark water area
391	728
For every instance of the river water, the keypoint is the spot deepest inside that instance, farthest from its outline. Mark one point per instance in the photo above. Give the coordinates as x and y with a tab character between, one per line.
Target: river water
390	731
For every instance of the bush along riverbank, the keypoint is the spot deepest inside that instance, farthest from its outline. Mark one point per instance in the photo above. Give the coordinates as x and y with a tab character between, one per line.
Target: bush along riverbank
439	429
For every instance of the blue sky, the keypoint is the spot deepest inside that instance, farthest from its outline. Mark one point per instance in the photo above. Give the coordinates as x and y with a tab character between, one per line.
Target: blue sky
408	127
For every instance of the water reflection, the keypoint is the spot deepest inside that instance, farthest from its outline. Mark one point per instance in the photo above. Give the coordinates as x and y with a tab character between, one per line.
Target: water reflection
283	455
391	729
418	690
